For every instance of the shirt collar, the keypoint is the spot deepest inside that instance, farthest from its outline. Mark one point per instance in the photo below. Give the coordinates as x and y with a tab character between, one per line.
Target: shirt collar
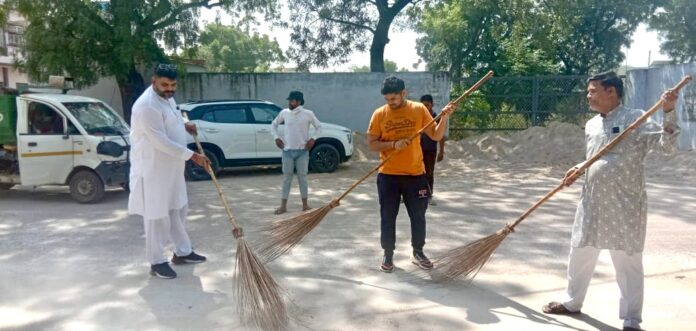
613	113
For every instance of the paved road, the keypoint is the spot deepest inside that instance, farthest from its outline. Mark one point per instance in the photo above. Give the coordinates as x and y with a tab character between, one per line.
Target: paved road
65	266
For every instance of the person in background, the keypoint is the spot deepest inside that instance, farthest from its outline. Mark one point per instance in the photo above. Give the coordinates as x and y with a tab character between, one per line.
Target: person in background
433	151
296	144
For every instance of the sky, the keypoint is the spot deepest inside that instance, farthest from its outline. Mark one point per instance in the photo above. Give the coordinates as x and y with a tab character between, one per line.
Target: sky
401	48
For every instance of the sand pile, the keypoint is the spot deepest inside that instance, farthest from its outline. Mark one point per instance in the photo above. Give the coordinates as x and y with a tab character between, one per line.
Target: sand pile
558	144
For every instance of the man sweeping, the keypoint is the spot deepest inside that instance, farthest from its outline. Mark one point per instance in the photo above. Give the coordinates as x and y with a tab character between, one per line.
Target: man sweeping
433	151
158	157
403	176
612	212
296	144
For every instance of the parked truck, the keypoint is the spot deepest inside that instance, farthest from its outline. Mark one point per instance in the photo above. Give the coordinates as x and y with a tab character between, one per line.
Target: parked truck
60	139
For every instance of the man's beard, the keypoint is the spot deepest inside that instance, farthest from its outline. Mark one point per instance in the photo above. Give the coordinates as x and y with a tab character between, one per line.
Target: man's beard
164	94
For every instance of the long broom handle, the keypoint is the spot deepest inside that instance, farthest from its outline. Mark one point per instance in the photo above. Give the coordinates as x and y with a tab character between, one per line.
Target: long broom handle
233	220
472	89
602	151
217	185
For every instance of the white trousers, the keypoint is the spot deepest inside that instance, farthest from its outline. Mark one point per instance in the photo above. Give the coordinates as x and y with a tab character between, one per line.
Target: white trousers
629	276
160	232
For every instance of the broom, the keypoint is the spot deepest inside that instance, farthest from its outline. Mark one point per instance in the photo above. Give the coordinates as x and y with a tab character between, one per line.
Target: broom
284	234
466	261
258	295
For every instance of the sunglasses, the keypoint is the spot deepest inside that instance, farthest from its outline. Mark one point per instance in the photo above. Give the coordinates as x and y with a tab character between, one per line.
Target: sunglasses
165	66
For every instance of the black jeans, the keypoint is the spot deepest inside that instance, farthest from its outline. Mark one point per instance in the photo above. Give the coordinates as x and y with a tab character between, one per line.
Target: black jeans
415	192
429	159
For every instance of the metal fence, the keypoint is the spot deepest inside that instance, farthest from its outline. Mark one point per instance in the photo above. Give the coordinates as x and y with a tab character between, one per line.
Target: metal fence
517	103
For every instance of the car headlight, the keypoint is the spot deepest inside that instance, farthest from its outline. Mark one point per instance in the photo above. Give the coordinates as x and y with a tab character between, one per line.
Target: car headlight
350	137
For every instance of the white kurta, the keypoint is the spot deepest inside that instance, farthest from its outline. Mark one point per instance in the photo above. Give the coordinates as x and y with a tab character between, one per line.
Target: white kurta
612	213
158	155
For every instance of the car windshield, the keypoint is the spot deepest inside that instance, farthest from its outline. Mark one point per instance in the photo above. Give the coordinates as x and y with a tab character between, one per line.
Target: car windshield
96	118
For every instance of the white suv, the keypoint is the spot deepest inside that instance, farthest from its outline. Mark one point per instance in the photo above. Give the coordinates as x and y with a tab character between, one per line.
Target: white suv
238	133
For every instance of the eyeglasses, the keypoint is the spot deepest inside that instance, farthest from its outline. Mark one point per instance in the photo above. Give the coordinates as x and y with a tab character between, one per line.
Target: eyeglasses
165	66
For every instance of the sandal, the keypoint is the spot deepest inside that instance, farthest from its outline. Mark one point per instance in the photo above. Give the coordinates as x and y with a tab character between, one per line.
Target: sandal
557	308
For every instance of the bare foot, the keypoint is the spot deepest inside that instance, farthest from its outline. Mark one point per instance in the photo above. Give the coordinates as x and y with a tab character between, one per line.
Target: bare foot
280	210
306	208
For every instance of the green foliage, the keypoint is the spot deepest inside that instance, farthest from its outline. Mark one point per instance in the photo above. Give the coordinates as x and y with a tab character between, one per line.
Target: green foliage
586	36
526	37
90	39
230	49
676	24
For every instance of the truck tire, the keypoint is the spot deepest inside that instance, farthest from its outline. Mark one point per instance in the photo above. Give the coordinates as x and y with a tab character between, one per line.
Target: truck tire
324	158
86	187
194	172
6	186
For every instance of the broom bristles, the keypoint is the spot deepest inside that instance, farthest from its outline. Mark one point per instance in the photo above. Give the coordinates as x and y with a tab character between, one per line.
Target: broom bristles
284	234
260	297
466	261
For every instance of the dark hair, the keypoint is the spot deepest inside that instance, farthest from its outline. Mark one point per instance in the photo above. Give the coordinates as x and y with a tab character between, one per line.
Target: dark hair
392	85
427	97
166	70
297	96
609	79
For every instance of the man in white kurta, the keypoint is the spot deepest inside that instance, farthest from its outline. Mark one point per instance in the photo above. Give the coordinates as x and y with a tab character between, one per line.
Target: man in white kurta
296	144
612	212
158	156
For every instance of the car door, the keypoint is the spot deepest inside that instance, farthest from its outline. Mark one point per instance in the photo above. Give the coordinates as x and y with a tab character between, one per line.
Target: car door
263	115
45	147
228	126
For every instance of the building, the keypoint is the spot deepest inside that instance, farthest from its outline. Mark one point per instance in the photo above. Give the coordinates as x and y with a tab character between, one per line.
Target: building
11	49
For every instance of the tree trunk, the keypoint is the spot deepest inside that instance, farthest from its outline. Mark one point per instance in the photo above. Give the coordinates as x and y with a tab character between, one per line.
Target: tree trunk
131	88
379	42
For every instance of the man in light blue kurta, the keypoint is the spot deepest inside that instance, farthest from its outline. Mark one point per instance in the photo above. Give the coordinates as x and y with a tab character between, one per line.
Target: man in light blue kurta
612	212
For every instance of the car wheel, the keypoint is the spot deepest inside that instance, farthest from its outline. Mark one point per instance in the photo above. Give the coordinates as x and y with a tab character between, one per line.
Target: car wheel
324	158
195	172
86	187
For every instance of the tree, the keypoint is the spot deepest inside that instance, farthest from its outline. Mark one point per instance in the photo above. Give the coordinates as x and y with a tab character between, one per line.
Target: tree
676	24
92	39
326	32
587	35
230	49
569	37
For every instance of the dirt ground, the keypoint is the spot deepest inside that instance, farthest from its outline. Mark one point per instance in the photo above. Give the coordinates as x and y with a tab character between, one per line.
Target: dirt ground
65	266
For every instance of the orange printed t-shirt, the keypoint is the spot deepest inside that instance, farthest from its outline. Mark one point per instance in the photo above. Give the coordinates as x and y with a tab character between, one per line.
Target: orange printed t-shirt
393	124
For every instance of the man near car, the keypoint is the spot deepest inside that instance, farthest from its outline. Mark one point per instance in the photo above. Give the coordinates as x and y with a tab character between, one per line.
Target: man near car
403	176
612	212
432	150
296	144
158	157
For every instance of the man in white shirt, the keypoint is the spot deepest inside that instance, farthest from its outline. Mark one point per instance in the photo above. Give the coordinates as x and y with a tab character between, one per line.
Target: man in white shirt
296	144
158	156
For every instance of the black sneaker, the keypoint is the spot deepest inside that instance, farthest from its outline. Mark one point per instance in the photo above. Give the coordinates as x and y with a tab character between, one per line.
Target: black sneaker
387	264
162	270
421	260
191	258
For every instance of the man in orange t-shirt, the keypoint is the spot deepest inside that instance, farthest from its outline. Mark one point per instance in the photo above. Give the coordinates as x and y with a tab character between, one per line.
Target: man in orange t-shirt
403	176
